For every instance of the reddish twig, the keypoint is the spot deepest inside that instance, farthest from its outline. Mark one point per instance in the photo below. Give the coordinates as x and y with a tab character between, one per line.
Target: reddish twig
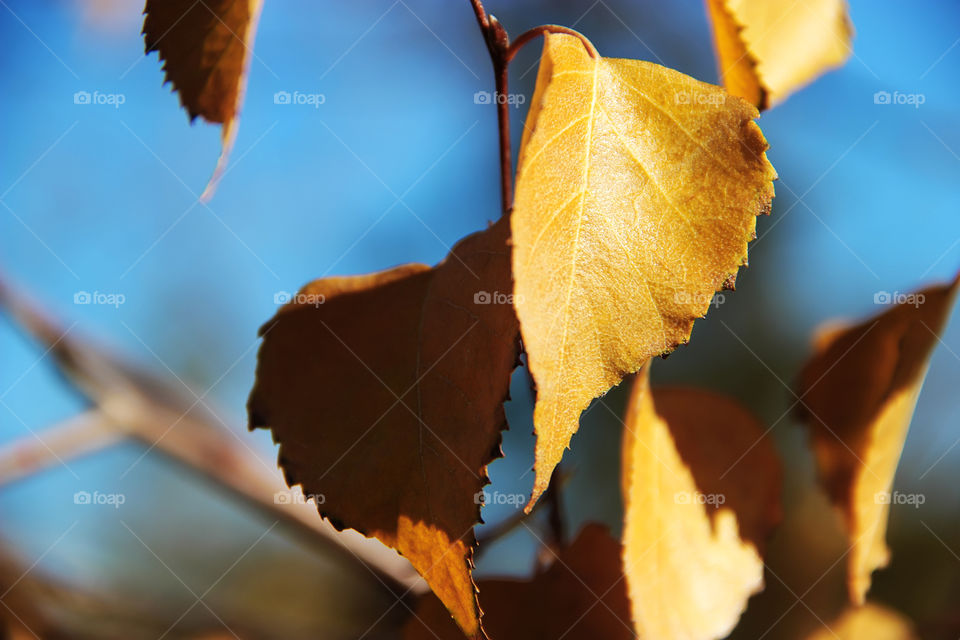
502	52
529	35
498	43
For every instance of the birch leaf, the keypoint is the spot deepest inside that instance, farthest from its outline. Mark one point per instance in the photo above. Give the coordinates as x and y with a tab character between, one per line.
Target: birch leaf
637	191
859	390
702	495
206	48
386	394
767	49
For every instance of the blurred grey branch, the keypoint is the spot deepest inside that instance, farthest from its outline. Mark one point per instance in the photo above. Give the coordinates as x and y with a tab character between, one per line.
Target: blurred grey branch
130	402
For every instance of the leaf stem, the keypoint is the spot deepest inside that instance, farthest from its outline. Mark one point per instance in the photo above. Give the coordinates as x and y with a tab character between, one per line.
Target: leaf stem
529	35
502	52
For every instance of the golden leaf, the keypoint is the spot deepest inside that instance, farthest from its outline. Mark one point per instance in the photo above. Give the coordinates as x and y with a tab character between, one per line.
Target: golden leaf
858	393
206	48
869	622
581	596
702	493
767	49
637	192
386	394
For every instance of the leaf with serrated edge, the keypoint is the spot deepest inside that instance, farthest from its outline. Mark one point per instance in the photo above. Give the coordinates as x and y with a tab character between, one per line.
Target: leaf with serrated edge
386	394
701	495
206	48
580	595
637	191
767	49
857	393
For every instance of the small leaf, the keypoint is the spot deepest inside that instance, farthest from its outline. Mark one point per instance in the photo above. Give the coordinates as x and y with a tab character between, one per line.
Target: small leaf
206	48
869	622
858	393
581	595
386	394
702	493
767	49
637	191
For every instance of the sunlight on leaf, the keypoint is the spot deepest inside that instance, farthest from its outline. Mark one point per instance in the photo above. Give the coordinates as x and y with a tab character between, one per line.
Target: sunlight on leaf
637	191
767	49
859	390
206	48
582	595
702	493
386	394
869	622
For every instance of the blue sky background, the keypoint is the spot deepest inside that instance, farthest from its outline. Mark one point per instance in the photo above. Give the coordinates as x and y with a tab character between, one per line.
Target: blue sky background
395	166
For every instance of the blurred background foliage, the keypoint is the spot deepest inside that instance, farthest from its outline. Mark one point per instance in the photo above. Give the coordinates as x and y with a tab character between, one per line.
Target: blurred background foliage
396	165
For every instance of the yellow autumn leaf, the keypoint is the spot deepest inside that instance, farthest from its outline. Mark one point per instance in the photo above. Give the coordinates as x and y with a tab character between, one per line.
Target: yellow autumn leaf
767	49
869	622
701	493
206	48
858	392
637	191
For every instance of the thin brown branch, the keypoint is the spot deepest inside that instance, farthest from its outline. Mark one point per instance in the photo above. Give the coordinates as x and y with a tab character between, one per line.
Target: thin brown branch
558	528
498	42
504	528
502	52
481	14
508	525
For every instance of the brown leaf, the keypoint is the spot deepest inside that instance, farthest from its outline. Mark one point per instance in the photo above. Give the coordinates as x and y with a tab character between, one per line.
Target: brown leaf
581	596
767	49
858	392
206	48
869	622
702	493
637	192
385	392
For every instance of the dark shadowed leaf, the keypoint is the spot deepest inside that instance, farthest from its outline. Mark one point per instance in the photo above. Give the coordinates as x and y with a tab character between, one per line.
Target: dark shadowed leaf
385	392
581	596
206	47
858	392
